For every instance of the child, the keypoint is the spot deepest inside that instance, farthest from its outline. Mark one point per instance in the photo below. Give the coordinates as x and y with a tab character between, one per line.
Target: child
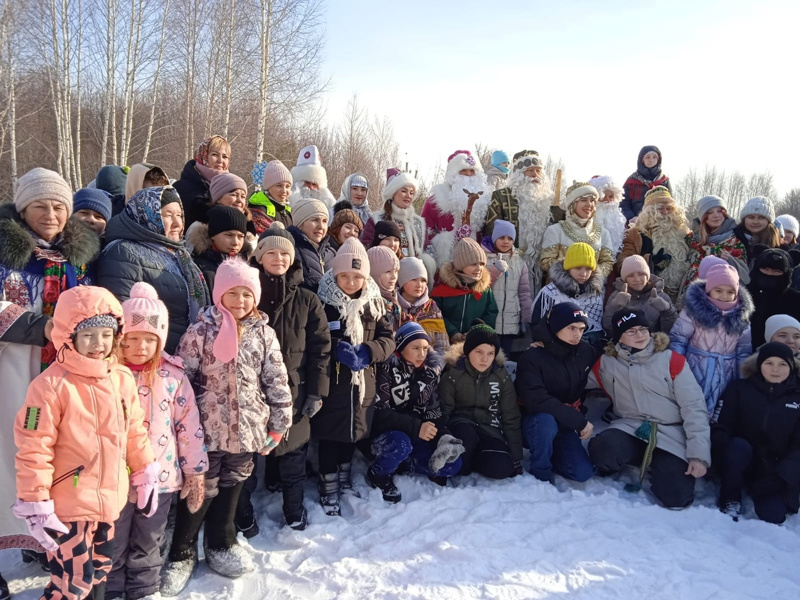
465	291
383	268
79	430
176	436
550	386
479	405
310	227
575	279
510	283
233	360
408	423
784	329
270	201
388	234
756	225
361	336
93	207
345	224
222	238
638	289
791	229
769	287
647	176
713	331
412	283
355	189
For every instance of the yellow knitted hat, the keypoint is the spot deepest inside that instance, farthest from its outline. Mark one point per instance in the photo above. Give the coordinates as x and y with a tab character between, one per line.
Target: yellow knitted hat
580	254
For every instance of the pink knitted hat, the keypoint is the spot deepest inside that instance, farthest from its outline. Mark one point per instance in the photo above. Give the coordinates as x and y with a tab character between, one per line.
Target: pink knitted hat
145	312
351	257
233	272
634	264
224	183
275	172
381	259
722	275
707	263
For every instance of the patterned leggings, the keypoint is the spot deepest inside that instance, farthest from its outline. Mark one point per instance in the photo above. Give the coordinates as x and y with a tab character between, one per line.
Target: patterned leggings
83	561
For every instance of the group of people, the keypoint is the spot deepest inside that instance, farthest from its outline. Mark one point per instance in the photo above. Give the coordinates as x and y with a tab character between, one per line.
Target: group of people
158	336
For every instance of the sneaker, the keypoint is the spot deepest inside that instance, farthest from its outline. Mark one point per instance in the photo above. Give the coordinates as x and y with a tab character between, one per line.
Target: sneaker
299	521
230	562
176	575
385	484
733	509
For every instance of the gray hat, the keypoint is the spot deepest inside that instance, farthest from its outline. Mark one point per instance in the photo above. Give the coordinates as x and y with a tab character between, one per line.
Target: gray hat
758	206
706	203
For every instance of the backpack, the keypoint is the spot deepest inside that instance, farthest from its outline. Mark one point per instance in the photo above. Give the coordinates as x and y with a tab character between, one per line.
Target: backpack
676	364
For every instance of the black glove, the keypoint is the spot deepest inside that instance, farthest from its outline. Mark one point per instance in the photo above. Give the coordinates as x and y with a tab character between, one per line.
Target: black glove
660	260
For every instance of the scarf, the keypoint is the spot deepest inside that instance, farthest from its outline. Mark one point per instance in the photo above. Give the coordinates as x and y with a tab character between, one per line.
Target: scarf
201	160
404	217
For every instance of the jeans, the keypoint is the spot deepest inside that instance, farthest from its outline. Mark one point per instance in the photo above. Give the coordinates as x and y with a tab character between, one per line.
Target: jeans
393	447
555	449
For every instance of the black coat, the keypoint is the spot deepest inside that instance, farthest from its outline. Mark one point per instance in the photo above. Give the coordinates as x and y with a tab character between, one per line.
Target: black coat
553	378
780	301
343	418
301	327
195	195
310	257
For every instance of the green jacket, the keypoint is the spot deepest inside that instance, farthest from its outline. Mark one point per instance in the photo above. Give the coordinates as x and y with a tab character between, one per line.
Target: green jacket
461	305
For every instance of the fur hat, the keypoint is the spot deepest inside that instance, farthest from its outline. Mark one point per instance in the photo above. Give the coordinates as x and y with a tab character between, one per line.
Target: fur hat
658	195
381	259
722	275
775	350
580	254
467	252
93	199
42	184
411	268
407	333
306	208
502	228
525	159
707	263
565	314
395	180
625	319
275	237
225	218
309	167
351	257
275	172
605	182
774	258
145	312
233	272
384	229
758	205
576	191
480	333
789	224
224	183
343	213
634	264
777	322
706	203
457	162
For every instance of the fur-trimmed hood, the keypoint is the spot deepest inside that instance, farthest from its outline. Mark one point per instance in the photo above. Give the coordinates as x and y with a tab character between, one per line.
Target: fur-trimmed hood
568	286
198	241
79	244
449	277
699	308
750	366
454	357
659	343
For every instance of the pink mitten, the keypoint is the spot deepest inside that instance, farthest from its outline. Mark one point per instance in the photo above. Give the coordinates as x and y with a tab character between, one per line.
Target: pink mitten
145	481
40	516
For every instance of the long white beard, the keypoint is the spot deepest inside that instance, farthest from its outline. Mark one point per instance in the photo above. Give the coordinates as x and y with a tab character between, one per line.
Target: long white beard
609	217
534	200
476	184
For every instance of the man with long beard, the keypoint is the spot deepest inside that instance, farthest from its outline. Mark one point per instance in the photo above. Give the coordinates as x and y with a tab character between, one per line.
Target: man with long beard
310	179
608	214
659	236
457	207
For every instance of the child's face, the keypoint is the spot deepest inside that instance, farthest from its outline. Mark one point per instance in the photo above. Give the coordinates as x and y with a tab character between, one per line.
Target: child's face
650	159
715	217
580	274
775	370
228	242
788	238
637	281
315	228
789	336
755	223
350	282
415	288
771	272
276	261
572	333
504	244
608	196
391	242
239	301
416	352
475	270
388	279
723	293
357	195
94	342
585	206
94	220
348	230
235	199
482	357
404	196
280	191
139	347
636	337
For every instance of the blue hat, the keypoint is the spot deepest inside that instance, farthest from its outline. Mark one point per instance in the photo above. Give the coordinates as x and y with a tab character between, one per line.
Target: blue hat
502	228
407	333
92	199
499	157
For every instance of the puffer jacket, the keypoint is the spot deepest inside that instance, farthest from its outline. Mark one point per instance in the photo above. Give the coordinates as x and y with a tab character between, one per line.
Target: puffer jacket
461	304
486	399
241	400
426	312
641	388
658	318
563	288
771	296
195	194
264	211
715	343
512	292
173	422
496	178
81	426
310	256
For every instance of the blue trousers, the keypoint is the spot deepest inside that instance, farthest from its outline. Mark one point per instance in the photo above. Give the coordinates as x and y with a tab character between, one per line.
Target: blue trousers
393	447
555	449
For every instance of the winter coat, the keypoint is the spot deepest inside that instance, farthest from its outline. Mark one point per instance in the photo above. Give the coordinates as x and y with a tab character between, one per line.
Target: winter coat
412	228
722	241
394	314
496	178
563	288
241	400
310	256
442	229
658	318
486	399
461	304
23	347
195	194
512	293
714	342
634	190
81	427
505	206
426	312
407	397
207	259
641	388
301	328
328	251
552	379
265	211
782	300
560	236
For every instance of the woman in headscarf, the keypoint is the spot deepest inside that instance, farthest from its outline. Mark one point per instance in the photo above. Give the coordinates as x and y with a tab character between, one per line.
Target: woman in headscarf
212	158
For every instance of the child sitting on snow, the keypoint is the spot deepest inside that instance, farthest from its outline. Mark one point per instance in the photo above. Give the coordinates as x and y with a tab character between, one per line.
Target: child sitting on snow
412	283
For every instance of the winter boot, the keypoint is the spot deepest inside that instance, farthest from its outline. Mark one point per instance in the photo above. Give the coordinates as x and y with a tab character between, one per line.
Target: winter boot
272	476
732	508
4	593
245	520
329	494
346	480
182	560
293	510
30	556
223	553
385	484
176	574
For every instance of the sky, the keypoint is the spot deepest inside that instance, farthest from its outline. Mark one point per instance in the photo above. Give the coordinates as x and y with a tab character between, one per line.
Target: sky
709	82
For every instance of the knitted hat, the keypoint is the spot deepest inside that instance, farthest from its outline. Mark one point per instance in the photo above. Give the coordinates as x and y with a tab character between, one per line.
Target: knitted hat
502	228
381	259
358	180
480	333
395	180
93	199
275	172
779	227
343	213
307	208
707	263
789	224
169	195
706	203
565	314
351	257
775	350
576	191
233	272
309	167
634	264
224	183
467	252
777	322
627	319
225	218
411	268
580	254
498	158
275	237
774	258
144	312
658	195
108	320
525	159
111	179
384	229
407	333
457	162
722	275
42	184
758	206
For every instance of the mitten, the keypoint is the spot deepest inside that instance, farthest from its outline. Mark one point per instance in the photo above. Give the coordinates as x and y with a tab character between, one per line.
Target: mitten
448	449
193	491
311	406
40	516
273	439
500	265
622	298
145	482
346	354
657	302
364	356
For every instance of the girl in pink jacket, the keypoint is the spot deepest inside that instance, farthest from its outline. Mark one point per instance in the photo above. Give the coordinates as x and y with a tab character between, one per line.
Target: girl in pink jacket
78	436
176	436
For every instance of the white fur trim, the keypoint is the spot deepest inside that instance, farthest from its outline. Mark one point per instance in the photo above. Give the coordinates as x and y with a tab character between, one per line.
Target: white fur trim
430	265
395	183
606	182
442	244
460	162
310	172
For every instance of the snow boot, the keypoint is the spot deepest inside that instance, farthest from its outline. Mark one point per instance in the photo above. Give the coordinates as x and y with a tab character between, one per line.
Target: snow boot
223	554
329	494
30	556
230	562
385	484
182	559
346	480
293	510
176	574
732	508
245	520
299	521
4	593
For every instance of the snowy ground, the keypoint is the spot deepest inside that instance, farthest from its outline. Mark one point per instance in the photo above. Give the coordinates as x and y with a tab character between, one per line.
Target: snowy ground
517	539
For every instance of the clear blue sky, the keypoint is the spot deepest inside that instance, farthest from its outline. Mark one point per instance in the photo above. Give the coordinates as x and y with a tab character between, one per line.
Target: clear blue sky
708	81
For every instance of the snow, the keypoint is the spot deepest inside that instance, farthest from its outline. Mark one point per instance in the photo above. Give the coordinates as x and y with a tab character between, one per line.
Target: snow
515	539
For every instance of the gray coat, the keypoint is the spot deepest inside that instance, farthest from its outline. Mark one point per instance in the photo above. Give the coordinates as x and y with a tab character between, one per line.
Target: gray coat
656	305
